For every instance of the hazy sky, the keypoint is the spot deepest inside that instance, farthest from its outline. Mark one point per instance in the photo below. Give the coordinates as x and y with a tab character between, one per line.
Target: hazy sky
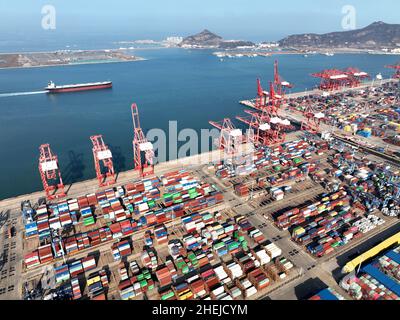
232	19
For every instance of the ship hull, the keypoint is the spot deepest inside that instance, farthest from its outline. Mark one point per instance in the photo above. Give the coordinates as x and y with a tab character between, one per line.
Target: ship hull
80	88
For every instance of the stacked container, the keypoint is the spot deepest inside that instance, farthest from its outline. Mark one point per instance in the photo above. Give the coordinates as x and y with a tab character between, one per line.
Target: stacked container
273	250
75	268
62	273
161	235
149	259
259	279
76	290
45	253
89	263
32	260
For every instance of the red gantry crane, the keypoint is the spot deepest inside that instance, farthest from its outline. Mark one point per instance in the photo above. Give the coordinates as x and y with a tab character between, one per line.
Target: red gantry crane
50	173
312	120
266	127
356	76
261	100
332	79
141	147
280	84
230	137
103	161
274	101
259	131
397	68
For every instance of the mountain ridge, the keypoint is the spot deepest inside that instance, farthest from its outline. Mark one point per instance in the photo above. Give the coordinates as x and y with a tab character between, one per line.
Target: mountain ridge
376	35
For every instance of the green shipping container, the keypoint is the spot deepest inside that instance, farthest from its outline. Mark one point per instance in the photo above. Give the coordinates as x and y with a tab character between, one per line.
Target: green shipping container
143	283
218	245
297	160
167	296
233	246
88	221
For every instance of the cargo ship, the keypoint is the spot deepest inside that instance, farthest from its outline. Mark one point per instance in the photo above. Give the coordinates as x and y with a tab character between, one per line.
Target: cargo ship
53	88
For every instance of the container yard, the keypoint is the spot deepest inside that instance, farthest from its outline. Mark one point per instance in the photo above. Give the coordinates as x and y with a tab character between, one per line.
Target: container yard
181	255
317	175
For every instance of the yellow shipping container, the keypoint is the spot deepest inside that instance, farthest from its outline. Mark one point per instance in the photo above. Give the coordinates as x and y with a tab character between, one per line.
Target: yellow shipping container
299	231
347	128
93	280
395	125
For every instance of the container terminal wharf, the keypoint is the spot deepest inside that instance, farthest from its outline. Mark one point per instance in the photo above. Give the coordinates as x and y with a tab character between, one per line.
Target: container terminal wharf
300	262
197	230
365	107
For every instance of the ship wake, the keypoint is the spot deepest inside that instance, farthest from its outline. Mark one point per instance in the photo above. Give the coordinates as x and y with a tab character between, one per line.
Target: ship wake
15	94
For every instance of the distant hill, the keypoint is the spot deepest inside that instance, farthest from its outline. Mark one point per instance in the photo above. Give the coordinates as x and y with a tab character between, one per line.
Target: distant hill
376	35
207	39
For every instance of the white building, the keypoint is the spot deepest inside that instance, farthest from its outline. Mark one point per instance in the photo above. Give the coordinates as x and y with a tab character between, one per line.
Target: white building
173	40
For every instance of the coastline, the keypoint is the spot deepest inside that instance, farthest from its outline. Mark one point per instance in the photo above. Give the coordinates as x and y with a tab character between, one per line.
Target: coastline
73	64
19	60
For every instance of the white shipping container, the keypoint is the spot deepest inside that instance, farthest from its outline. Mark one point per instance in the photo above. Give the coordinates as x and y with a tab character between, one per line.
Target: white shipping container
218	291
251	291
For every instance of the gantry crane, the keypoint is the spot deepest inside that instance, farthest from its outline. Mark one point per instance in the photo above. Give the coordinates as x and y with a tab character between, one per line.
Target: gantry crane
266	126
356	76
274	102
259	130
142	148
103	162
332	79
230	137
50	173
396	67
312	120
261	100
279	83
